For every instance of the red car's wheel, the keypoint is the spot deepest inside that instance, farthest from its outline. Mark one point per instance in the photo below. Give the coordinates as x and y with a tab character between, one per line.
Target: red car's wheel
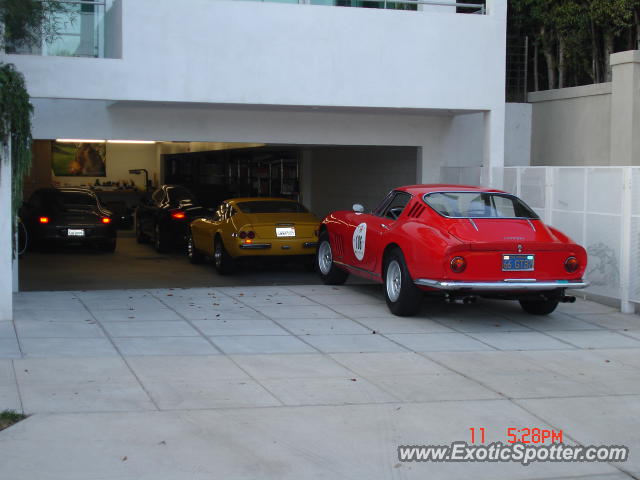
403	297
539	306
330	274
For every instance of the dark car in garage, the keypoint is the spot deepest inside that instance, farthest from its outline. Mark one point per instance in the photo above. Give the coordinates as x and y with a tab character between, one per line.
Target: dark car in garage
68	216
163	217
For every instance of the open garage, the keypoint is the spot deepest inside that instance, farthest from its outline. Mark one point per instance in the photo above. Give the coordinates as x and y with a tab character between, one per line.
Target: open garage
323	178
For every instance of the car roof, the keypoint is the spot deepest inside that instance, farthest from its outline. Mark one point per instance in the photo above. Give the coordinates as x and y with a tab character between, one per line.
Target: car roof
259	199
66	190
444	187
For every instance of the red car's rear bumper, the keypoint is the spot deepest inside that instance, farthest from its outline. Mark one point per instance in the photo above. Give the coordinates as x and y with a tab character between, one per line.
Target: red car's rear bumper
502	286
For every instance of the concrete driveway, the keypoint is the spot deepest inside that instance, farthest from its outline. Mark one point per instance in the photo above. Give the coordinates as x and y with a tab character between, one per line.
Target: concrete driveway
304	382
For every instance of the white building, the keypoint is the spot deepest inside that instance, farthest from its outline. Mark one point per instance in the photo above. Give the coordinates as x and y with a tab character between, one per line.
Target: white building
321	78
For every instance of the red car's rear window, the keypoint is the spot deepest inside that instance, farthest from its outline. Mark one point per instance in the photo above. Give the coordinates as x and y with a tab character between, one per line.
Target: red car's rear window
478	205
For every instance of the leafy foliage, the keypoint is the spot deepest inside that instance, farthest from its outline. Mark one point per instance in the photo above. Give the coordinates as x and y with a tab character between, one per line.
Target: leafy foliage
9	417
575	37
30	21
15	125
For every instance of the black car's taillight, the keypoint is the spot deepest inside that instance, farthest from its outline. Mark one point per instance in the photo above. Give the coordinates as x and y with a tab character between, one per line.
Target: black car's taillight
177	214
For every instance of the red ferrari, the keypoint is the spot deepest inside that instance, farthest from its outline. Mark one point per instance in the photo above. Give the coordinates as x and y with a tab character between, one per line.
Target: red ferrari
460	241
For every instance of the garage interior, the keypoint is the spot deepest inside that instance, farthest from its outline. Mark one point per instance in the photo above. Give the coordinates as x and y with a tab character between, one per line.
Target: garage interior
323	178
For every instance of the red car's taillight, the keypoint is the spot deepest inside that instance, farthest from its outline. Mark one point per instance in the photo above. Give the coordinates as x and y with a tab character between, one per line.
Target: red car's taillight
106	220
44	219
458	264
177	214
571	264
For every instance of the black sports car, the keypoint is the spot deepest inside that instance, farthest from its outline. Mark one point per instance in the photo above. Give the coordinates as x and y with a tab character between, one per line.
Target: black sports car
164	216
68	216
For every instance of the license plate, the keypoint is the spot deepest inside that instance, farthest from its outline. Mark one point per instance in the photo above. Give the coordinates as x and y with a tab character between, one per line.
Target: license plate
75	232
517	263
285	232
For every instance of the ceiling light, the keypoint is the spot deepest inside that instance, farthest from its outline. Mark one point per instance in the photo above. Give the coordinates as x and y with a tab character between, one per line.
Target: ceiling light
132	141
78	140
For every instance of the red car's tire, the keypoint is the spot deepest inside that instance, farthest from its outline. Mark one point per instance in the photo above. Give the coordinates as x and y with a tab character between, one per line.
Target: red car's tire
403	297
330	273
539	306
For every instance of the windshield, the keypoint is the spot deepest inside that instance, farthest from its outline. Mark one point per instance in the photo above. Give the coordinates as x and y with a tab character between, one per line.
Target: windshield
180	194
478	205
70	200
271	206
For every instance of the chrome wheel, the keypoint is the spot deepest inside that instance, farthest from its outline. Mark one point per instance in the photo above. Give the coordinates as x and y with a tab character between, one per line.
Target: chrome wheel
325	258
393	280
157	242
190	247
217	255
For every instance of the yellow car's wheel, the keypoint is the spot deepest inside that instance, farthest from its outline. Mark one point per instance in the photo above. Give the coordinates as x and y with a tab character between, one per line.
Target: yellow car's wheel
222	261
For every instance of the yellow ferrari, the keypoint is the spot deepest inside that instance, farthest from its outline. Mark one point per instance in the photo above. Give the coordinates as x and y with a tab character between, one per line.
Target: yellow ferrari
252	226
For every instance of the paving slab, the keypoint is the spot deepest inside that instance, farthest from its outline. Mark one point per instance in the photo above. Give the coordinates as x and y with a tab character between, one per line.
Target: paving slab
239	327
77	314
320	326
9	348
153	314
520	341
261	344
44	329
327	391
286	366
346	299
79	385
433	388
47	301
178	394
241	312
597	339
438	342
9	397
388	364
268	301
7	330
613	321
553	322
306	311
353	343
67	347
150	328
132	346
404	325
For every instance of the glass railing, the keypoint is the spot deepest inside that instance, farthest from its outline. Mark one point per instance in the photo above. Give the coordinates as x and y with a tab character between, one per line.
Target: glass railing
473	6
72	29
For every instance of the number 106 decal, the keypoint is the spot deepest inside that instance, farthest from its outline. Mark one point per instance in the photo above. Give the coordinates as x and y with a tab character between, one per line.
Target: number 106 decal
359	240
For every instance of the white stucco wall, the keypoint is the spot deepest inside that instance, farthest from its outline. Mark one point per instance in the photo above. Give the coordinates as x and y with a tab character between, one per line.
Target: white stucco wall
571	126
287	54
6	256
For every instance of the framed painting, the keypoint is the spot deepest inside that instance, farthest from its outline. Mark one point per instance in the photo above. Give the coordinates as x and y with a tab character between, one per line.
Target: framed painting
78	159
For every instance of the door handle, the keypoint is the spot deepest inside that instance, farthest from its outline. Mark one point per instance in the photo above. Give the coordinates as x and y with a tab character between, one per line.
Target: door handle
384	226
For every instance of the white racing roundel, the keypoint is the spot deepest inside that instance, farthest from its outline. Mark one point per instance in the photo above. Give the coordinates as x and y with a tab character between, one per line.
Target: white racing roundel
359	240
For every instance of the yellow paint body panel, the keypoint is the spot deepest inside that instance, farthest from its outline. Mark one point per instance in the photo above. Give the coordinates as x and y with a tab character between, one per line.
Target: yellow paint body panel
266	242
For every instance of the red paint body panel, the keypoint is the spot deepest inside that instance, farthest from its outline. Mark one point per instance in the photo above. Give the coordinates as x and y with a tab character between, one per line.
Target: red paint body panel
430	240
